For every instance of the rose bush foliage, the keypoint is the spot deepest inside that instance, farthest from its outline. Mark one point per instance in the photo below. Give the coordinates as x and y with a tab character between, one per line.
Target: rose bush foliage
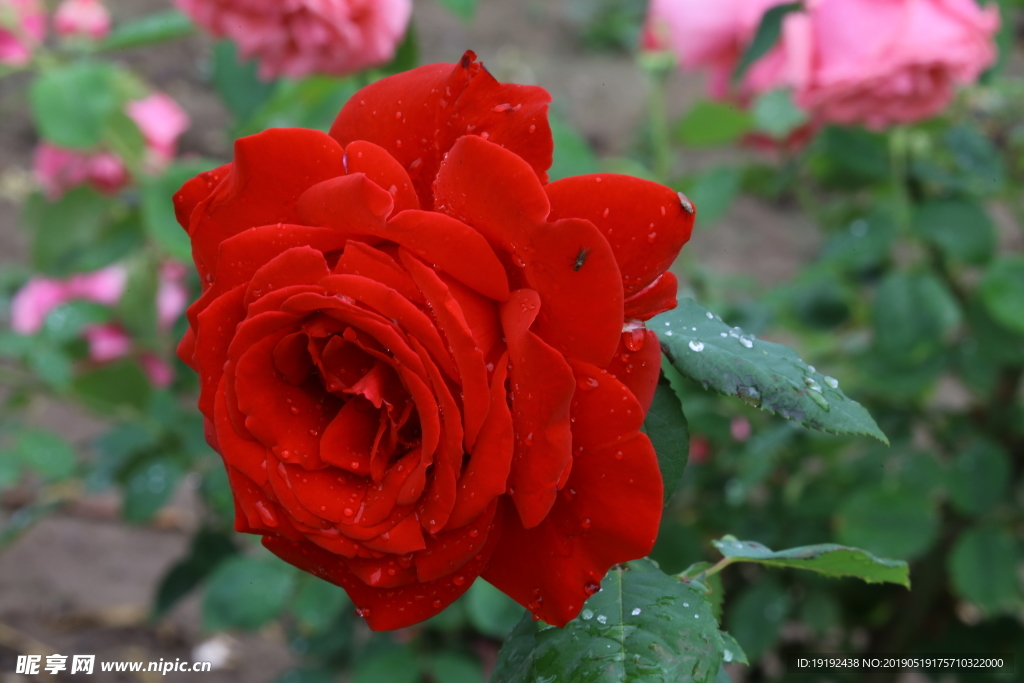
423	363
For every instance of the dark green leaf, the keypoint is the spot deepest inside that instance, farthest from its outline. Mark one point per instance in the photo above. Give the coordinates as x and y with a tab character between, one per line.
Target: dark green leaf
490	611
1002	290
573	155
894	522
237	84
51	365
767	35
851	155
756	616
396	665
829	559
983	567
152	28
665	424
642	626
766	375
911	315
65	323
463	9
979	477
958	227
245	593
116	386
710	124
208	549
312	102
71	104
711	587
148	486
216	490
455	668
317	603
46	453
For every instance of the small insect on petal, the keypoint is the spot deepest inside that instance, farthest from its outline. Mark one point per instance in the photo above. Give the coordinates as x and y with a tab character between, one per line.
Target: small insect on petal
581	258
687	204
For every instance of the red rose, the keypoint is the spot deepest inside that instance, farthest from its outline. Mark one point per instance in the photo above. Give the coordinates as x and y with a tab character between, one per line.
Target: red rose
423	364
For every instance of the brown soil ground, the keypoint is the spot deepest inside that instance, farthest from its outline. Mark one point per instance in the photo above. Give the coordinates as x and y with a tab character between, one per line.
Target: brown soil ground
81	581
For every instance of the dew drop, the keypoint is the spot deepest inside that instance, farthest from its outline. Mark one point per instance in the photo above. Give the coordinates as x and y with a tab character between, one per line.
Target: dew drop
589	384
695	345
636	611
586	615
459	580
832	382
591	587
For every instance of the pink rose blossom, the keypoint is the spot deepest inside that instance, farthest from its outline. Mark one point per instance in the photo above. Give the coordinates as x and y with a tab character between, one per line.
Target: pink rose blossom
160	373
22	25
107	342
39	296
883	62
82	18
295	38
172	295
713	36
161	121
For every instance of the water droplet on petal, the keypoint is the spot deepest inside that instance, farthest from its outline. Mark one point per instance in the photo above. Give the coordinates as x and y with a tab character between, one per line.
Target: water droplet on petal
591	587
588	383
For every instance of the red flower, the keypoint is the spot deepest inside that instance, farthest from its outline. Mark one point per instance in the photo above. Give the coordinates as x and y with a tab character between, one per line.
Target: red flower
411	347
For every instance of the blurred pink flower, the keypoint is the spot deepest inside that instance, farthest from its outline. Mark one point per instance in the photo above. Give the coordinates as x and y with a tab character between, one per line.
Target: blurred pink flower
883	62
82	18
171	295
713	36
57	170
739	428
160	373
295	38
40	295
22	24
161	121
107	342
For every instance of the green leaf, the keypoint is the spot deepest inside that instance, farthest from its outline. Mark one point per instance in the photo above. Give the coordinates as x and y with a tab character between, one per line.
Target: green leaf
112	387
122	136
573	155
237	84
911	315
65	323
10	470
767	35
52	365
851	155
208	549
776	114
71	104
711	587
713	192
148	486
711	124
1002	291
246	593
463	9
766	375
152	28
983	567
395	665
756	616
456	668
158	208
642	625
666	426
490	611
45	453
828	559
894	522
216	490
312	102
733	652
979	477
960	228
317	603
76	233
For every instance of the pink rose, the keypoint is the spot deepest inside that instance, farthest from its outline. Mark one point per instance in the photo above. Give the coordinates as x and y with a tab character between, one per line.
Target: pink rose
160	120
295	38
881	62
22	24
110	342
713	36
82	18
171	295
40	295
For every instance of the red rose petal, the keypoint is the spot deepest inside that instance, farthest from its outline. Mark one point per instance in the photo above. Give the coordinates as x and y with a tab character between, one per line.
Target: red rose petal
645	223
418	115
404	537
657	297
291	358
248	457
383	608
607	513
296	266
351	203
361	259
196	190
638	369
347	441
569	263
486	475
383	169
448	551
542	390
215	328
271	170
